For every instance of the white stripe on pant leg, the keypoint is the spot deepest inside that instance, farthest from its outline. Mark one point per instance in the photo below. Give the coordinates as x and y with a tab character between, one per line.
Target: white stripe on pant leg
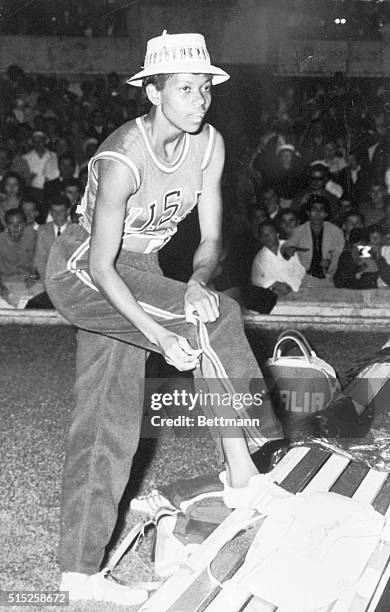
150	309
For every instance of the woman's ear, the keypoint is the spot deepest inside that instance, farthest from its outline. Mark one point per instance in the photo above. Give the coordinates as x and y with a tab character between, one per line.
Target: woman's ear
153	94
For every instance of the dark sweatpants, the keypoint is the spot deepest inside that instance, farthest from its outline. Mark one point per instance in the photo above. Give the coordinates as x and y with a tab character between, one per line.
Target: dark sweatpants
110	368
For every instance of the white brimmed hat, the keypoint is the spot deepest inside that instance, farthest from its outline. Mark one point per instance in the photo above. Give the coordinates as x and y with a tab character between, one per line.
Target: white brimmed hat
175	53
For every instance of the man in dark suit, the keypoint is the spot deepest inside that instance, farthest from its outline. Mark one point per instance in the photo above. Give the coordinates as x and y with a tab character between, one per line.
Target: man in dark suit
48	232
354	179
66	166
46	235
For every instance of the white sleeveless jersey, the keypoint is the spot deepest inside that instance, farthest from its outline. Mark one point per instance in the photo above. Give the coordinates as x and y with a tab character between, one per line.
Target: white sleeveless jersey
164	194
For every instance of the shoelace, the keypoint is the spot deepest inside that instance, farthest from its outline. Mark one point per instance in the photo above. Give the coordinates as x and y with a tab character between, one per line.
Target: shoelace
154	501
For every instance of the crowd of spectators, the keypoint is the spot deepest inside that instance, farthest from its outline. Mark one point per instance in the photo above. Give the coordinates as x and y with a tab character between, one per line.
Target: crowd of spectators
307	194
48	133
312	194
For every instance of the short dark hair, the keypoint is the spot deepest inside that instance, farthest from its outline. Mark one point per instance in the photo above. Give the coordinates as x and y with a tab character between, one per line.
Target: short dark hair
59	200
375	227
267	223
67	156
158	80
353	213
26	200
317	199
11	212
288	211
358	235
71	182
251	212
11	174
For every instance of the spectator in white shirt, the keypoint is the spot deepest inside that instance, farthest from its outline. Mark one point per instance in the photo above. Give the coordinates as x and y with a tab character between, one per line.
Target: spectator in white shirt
272	276
42	163
270	269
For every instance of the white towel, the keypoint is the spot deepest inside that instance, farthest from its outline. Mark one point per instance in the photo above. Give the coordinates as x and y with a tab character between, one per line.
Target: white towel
310	550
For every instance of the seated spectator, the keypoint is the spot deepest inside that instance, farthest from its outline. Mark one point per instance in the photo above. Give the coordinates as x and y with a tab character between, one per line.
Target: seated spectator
63	146
17	248
46	235
318	242
270	143
256	215
31	210
272	275
334	163
318	179
374	206
89	147
313	143
345	207
361	264
97	126
83	178
42	163
60	205
352	220
385	221
353	179
288	221
71	188
378	238
269	199
11	193
18	163
5	162
287	174
66	167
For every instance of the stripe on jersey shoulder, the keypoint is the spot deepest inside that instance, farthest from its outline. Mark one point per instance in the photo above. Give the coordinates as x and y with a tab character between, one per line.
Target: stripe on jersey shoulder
115	156
180	158
210	147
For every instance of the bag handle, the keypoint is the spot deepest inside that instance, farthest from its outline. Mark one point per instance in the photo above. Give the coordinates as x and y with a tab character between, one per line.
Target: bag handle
296	337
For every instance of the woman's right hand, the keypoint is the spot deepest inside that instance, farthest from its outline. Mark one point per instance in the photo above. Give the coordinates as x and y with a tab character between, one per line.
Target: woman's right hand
178	352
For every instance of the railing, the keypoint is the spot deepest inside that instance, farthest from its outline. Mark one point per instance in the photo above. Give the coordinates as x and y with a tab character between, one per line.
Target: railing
332	309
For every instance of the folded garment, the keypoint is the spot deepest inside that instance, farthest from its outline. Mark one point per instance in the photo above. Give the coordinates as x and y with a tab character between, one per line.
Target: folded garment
310	550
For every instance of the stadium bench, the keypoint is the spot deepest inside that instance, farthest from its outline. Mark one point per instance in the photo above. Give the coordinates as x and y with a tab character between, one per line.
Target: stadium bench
196	586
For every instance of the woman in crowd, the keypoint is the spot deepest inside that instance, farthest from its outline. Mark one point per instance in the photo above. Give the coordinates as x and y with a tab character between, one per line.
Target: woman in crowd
11	193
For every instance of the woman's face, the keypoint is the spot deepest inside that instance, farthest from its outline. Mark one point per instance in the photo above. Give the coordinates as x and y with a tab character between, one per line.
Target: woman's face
184	101
12	186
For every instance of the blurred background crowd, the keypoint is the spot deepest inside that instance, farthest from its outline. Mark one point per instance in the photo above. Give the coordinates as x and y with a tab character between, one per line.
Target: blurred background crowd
306	188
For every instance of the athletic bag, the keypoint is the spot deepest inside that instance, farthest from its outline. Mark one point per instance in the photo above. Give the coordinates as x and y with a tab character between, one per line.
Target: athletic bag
301	384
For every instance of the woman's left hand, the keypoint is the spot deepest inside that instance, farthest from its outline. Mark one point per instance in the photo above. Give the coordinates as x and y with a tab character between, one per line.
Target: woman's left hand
200	303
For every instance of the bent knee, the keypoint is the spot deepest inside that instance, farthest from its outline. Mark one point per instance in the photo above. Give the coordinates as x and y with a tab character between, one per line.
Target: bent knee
229	307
